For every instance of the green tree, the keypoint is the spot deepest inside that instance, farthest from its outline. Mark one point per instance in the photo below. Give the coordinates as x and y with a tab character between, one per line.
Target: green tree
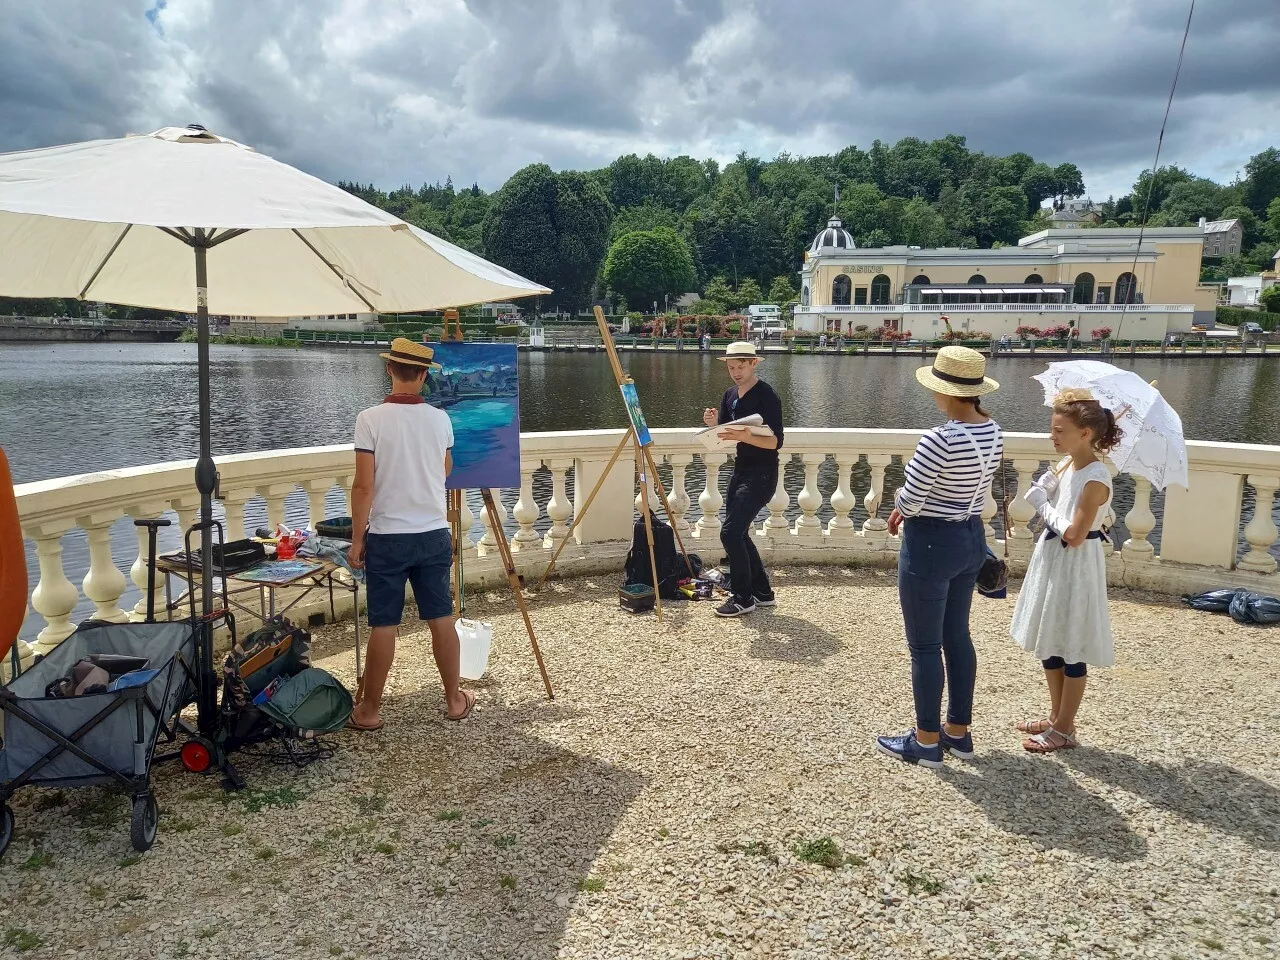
646	216
552	228
749	292
647	265
1270	298
1262	180
719	291
781	291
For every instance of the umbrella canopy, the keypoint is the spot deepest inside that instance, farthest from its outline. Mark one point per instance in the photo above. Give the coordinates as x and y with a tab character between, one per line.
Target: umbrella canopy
96	221
185	220
1152	446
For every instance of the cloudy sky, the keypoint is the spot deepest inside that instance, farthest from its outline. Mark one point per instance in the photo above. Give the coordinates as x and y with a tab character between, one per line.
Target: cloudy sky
395	91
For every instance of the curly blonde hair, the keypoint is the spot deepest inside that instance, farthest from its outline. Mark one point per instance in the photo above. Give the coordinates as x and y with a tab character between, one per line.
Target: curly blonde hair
1078	406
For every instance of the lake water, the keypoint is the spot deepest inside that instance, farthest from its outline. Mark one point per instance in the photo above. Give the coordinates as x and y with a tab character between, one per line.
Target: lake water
75	408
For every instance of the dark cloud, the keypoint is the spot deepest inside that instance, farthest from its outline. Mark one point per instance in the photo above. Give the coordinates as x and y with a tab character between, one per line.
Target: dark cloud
417	90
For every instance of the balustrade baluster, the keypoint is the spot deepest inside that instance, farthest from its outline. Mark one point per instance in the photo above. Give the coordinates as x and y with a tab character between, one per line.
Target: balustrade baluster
842	499
466	520
103	583
1261	532
525	511
316	490
346	482
559	509
138	572
233	504
874	527
1140	521
489	542
710	499
1021	513
188	511
274	494
678	501
810	497
775	525
54	597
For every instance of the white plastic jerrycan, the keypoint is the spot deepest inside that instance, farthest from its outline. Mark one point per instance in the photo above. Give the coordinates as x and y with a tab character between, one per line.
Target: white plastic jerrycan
474	639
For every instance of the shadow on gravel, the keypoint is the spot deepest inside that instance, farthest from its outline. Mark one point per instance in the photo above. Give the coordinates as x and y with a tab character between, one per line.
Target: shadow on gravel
1221	797
791	640
1035	797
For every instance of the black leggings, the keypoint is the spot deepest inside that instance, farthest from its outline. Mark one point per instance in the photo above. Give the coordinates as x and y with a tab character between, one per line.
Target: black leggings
1073	670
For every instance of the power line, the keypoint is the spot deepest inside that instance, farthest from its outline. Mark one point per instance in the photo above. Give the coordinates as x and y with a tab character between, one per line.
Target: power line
1155	166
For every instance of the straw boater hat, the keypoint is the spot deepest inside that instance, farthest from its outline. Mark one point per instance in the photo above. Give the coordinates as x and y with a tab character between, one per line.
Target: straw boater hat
957	372
414	354
740	350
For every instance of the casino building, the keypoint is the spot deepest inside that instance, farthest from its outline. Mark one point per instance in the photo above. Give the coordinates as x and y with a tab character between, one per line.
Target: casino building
1082	277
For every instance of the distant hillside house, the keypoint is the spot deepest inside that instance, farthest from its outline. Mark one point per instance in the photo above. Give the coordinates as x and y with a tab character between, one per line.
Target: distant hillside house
1075	212
1222	238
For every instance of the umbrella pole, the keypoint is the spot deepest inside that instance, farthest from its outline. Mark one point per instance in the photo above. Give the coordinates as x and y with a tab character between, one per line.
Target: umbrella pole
206	483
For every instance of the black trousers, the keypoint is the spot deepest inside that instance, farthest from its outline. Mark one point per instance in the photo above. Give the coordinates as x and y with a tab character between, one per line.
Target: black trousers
750	489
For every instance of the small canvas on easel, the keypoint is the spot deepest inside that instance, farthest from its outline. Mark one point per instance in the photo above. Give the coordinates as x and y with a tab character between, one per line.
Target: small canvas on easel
632	401
478	385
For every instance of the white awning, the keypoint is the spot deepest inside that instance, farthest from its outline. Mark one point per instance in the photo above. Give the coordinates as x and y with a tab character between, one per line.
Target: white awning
1054	289
962	290
1018	290
932	290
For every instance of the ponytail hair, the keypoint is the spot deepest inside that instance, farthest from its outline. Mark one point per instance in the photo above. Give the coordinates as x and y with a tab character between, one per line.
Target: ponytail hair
1080	408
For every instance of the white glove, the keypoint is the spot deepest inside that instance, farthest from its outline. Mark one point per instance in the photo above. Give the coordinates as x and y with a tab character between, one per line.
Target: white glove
1037	496
1048	482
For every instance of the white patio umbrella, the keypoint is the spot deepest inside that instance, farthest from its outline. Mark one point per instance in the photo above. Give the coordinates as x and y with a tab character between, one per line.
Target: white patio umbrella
184	220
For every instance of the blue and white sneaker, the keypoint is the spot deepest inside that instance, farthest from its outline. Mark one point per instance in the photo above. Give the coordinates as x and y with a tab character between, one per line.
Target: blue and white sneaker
905	747
959	747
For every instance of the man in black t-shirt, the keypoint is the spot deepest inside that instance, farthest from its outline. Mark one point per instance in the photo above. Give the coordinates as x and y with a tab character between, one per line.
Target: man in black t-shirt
754	480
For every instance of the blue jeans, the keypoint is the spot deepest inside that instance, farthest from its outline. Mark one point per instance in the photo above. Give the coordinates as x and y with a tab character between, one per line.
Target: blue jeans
937	568
748	493
422	559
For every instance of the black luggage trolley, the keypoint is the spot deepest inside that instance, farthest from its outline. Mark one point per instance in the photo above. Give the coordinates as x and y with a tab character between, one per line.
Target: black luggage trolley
110	737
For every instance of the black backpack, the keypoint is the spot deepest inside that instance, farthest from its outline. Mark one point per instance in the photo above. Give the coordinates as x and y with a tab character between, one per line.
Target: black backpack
671	565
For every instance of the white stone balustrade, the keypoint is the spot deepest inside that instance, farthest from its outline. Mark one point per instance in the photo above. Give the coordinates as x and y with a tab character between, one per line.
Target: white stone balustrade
1199	531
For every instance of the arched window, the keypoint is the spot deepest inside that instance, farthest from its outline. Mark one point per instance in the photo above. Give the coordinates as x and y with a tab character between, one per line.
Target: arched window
804	296
1083	292
920	280
1126	288
880	289
1034	278
977	278
841	291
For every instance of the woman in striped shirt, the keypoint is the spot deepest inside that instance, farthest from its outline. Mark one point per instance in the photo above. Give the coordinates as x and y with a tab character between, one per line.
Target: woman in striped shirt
939	511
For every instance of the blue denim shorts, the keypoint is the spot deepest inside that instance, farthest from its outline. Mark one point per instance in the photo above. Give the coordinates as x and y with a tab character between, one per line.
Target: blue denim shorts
392	560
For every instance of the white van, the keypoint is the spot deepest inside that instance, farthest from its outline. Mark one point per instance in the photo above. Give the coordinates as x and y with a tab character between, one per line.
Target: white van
765	318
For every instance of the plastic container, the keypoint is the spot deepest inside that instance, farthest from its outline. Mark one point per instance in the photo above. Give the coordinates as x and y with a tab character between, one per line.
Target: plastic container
474	640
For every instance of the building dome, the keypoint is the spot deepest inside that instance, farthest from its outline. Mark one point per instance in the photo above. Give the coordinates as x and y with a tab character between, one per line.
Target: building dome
834	236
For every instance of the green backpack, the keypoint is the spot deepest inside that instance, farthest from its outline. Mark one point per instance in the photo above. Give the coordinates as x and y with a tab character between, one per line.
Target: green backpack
310	703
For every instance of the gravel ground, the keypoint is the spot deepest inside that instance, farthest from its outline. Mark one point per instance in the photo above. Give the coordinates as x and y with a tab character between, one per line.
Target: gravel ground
670	801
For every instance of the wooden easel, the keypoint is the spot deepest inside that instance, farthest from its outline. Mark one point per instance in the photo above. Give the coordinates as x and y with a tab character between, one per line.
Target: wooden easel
645	468
500	534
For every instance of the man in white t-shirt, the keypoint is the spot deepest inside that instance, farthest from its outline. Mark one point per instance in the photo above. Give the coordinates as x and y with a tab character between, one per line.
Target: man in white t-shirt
400	527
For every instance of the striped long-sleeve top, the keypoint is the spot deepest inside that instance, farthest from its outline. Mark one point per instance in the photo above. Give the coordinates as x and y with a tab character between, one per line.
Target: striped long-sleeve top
947	473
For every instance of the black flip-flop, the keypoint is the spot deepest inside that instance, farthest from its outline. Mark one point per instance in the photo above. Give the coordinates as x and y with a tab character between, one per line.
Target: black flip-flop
362	728
471	702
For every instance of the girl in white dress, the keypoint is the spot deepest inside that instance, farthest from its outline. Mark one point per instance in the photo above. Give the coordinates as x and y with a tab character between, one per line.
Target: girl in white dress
1061	614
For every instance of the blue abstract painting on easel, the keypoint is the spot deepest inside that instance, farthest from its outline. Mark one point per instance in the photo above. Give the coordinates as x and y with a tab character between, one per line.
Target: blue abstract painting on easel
478	385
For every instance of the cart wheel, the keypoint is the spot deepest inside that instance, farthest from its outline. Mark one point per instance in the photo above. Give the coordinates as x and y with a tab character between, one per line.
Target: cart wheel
197	755
146	816
6	829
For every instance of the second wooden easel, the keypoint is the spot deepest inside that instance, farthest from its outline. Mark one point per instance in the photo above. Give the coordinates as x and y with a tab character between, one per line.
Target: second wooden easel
645	468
